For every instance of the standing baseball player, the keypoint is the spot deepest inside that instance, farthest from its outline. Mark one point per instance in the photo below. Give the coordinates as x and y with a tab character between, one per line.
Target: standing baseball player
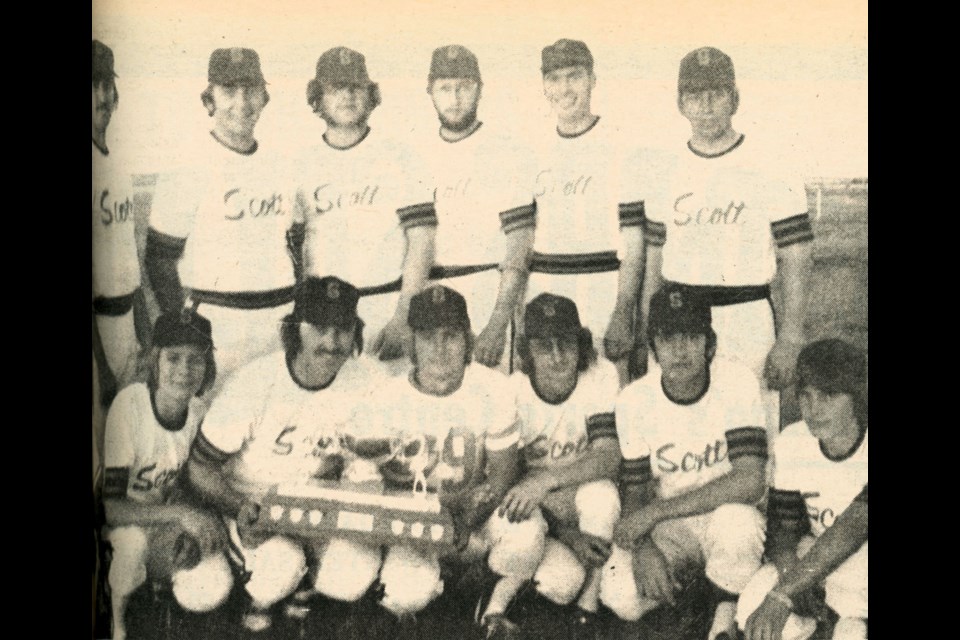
727	225
817	512
153	531
694	452
448	415
116	267
362	214
279	420
484	204
565	400
588	246
218	227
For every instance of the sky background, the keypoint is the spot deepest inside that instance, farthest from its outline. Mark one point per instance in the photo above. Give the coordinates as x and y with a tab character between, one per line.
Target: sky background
801	67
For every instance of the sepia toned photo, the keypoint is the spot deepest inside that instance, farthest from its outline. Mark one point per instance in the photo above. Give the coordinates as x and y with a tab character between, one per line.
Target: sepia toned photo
429	320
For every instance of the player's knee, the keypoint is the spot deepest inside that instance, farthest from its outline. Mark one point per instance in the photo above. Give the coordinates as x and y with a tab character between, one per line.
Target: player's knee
517	547
754	593
737	521
346	569
598	508
734	545
411	580
850	629
618	587
276	568
128	568
560	574
204	587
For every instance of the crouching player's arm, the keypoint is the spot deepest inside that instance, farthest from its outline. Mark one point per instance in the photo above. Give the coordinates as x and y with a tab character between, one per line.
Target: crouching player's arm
844	538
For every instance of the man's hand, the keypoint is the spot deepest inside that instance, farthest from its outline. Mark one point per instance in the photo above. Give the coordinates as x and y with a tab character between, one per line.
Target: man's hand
767	622
618	340
525	496
245	518
652	574
634	526
781	362
591	550
206	529
394	340
488	349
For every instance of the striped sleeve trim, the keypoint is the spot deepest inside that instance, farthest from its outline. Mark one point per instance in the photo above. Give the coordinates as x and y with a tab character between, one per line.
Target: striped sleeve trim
747	441
636	472
115	480
655	233
418	215
207	452
518	218
601	425
164	246
862	496
792	230
786	511
499	440
632	214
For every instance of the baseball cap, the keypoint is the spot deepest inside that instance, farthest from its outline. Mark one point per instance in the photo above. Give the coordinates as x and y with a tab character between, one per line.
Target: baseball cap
678	309
235	67
706	68
565	53
549	315
453	61
326	301
341	65
184	327
438	306
102	61
833	366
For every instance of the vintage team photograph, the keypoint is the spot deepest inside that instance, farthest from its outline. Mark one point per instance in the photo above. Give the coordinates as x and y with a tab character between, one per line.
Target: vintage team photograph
426	320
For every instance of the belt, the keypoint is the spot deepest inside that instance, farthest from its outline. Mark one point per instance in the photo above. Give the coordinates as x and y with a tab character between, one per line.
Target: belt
436	273
719	296
244	299
113	305
575	263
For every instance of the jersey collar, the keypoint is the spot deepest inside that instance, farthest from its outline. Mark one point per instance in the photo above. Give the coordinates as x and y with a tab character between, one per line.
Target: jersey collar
569	136
720	153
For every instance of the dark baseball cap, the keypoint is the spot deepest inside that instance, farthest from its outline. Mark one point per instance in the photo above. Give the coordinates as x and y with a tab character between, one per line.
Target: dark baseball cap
706	68
438	306
565	53
184	327
326	301
102	62
678	309
341	65
453	61
548	315
235	67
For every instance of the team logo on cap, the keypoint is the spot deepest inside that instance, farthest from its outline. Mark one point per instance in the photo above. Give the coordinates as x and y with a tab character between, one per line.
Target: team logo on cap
703	57
676	300
345	57
548	310
453	52
236	55
333	290
438	296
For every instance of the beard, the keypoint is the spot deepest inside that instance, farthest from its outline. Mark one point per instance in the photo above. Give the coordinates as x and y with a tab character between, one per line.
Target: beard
465	122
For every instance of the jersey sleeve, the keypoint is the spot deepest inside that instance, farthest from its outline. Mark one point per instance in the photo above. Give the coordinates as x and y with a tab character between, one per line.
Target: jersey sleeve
503	425
862	496
230	420
745	431
174	208
119	454
415	207
519	208
789	214
601	418
629	425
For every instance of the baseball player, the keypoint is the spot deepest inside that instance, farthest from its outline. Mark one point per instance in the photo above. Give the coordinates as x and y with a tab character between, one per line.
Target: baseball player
820	479
454	410
150	429
116	267
218	227
727	225
588	247
354	186
278	421
694	452
565	400
483	201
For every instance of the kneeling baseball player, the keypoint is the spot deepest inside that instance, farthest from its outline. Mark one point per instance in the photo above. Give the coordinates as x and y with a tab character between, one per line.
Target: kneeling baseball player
278	422
694	449
154	532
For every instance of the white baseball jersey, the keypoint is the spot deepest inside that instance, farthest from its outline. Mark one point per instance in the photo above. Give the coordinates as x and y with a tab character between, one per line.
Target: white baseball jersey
827	486
556	434
686	445
482	190
476	409
116	268
141	456
231	209
356	204
720	218
280	431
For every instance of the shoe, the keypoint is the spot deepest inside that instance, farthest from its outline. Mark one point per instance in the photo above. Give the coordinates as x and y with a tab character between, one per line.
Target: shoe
497	626
257	621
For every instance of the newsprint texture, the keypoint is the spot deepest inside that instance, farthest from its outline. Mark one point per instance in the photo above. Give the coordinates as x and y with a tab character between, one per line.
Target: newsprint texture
435	319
